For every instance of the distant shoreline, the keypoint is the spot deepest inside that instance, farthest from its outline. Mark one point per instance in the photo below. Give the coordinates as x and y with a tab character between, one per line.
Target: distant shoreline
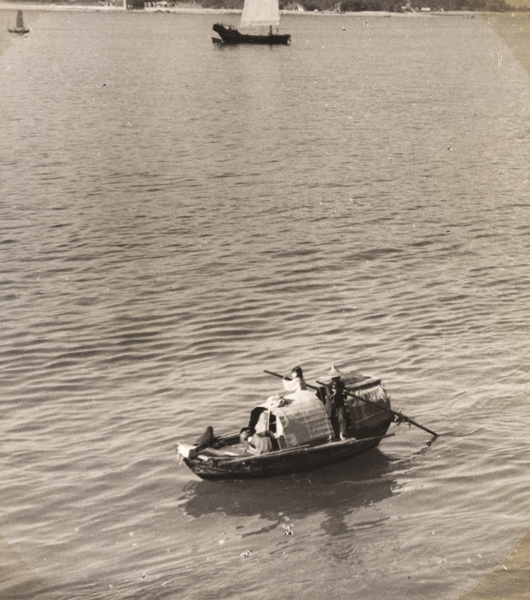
200	10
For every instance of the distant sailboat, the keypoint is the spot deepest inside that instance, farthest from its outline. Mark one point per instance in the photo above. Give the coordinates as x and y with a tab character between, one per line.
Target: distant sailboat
260	14
19	28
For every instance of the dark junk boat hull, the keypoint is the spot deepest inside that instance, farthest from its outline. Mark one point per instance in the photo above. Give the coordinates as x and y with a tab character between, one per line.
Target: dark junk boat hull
233	36
304	435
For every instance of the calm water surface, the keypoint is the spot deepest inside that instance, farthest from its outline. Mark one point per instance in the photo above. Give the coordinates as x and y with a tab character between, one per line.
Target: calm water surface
177	216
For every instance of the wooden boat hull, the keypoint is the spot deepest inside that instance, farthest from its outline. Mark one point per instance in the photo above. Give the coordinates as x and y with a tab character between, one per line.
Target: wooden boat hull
283	462
233	37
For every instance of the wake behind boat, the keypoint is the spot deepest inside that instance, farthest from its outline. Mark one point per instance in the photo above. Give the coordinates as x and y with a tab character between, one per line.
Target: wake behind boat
259	17
19	27
298	431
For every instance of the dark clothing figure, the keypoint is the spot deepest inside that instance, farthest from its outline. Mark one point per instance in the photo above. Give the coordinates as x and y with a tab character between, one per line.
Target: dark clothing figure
335	407
207	438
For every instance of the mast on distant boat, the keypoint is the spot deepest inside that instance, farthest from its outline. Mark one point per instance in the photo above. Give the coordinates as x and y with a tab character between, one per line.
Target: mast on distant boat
19	27
258	15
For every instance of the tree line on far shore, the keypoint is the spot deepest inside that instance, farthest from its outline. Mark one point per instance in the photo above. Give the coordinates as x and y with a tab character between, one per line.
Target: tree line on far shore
334	6
342	6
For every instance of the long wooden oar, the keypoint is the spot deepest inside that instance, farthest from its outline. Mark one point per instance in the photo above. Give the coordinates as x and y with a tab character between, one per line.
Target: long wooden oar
313	387
400	416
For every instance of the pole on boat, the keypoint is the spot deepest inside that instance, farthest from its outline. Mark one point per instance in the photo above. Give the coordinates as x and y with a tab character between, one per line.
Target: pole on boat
400	416
313	387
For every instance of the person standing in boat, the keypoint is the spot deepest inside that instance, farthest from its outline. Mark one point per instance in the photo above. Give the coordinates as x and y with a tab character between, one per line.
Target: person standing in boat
296	382
335	404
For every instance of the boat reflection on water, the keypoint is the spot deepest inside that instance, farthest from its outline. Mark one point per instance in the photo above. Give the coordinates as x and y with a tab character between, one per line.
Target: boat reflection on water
336	491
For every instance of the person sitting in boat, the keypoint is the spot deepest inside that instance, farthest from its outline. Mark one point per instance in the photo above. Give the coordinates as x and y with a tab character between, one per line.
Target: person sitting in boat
335	403
296	382
261	419
258	443
207	439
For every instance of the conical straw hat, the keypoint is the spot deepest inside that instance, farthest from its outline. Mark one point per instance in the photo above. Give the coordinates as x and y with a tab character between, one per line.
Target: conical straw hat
334	372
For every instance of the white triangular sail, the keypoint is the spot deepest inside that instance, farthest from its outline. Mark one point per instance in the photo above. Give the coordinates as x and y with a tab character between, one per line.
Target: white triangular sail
260	13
